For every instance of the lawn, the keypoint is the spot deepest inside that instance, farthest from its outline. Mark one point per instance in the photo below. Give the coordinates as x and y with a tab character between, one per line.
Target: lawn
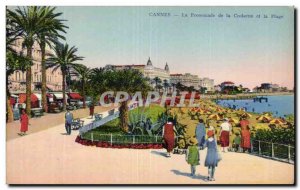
113	127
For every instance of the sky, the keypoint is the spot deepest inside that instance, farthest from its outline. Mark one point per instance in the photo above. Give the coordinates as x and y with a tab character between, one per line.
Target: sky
247	51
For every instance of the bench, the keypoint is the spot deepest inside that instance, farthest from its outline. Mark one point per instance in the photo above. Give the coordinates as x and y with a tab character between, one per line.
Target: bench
98	116
76	124
37	113
111	112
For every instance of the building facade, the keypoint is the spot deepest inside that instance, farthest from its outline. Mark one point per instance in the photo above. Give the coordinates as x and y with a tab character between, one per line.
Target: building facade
207	83
186	79
148	70
17	80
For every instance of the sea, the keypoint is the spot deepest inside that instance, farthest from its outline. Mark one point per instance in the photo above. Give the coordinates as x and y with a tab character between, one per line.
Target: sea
278	105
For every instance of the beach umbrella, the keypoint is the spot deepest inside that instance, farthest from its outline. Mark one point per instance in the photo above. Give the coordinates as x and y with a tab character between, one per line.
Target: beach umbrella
215	117
263	118
248	115
277	121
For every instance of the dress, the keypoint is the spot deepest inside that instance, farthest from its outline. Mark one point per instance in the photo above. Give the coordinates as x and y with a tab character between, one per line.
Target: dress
212	154
200	134
224	137
246	140
24	123
169	136
244	123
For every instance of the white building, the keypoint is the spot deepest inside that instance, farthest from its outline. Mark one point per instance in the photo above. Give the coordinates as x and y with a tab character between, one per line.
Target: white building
186	79
207	83
147	70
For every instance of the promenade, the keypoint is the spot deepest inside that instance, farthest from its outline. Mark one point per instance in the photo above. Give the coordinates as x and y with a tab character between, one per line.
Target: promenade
49	156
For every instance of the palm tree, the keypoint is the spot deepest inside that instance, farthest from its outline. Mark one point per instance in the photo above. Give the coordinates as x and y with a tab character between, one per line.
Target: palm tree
83	73
64	58
129	81
49	36
28	23
14	62
165	84
157	81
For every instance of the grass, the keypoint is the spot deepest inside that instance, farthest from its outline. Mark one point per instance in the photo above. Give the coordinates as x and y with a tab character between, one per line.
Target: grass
113	126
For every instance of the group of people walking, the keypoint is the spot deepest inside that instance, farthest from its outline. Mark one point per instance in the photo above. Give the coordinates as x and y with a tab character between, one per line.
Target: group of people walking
206	137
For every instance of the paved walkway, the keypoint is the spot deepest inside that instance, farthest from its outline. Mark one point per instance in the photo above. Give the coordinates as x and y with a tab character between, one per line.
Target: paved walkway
52	120
51	157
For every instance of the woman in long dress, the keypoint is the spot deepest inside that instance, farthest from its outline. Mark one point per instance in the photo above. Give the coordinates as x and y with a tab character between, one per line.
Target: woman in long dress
212	157
246	139
24	122
169	136
224	135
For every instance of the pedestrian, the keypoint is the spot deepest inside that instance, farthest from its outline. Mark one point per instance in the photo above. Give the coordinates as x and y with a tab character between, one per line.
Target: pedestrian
236	142
224	134
24	119
246	139
169	136
244	122
212	156
92	107
192	156
200	133
68	123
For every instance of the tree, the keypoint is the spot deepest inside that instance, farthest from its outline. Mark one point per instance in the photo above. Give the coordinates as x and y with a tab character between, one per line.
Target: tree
83	73
64	58
165	84
28	23
157	81
14	62
129	81
49	36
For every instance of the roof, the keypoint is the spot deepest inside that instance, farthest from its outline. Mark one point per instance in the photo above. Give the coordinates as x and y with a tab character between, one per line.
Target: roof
227	82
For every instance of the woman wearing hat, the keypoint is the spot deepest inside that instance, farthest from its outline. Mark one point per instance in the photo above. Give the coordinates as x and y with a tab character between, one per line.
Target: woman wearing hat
192	156
224	134
212	157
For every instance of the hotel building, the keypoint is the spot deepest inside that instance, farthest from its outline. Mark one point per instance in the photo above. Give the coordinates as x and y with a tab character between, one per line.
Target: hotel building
147	70
186	79
17	80
207	83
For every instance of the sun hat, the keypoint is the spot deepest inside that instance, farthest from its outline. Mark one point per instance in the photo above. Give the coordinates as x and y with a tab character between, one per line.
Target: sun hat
210	133
193	141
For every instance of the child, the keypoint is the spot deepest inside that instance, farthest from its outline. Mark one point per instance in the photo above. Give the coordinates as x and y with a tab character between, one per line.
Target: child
192	155
236	142
212	156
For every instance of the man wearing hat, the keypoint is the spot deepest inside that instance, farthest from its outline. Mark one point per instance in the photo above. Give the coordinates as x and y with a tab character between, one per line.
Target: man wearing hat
224	134
192	155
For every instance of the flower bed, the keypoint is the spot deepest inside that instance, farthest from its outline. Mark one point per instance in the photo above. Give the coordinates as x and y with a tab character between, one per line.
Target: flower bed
118	145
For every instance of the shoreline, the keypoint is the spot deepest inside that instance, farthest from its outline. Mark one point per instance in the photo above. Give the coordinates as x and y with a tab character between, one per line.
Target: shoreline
243	96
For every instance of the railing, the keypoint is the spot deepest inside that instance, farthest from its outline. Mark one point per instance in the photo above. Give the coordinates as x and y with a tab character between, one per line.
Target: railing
282	152
122	139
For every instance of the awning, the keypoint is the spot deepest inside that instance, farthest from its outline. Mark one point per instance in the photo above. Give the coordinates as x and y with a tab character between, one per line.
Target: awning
22	98
39	96
75	96
58	96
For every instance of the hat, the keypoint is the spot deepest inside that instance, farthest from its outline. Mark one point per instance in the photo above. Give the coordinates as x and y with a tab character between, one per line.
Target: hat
193	141
210	133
